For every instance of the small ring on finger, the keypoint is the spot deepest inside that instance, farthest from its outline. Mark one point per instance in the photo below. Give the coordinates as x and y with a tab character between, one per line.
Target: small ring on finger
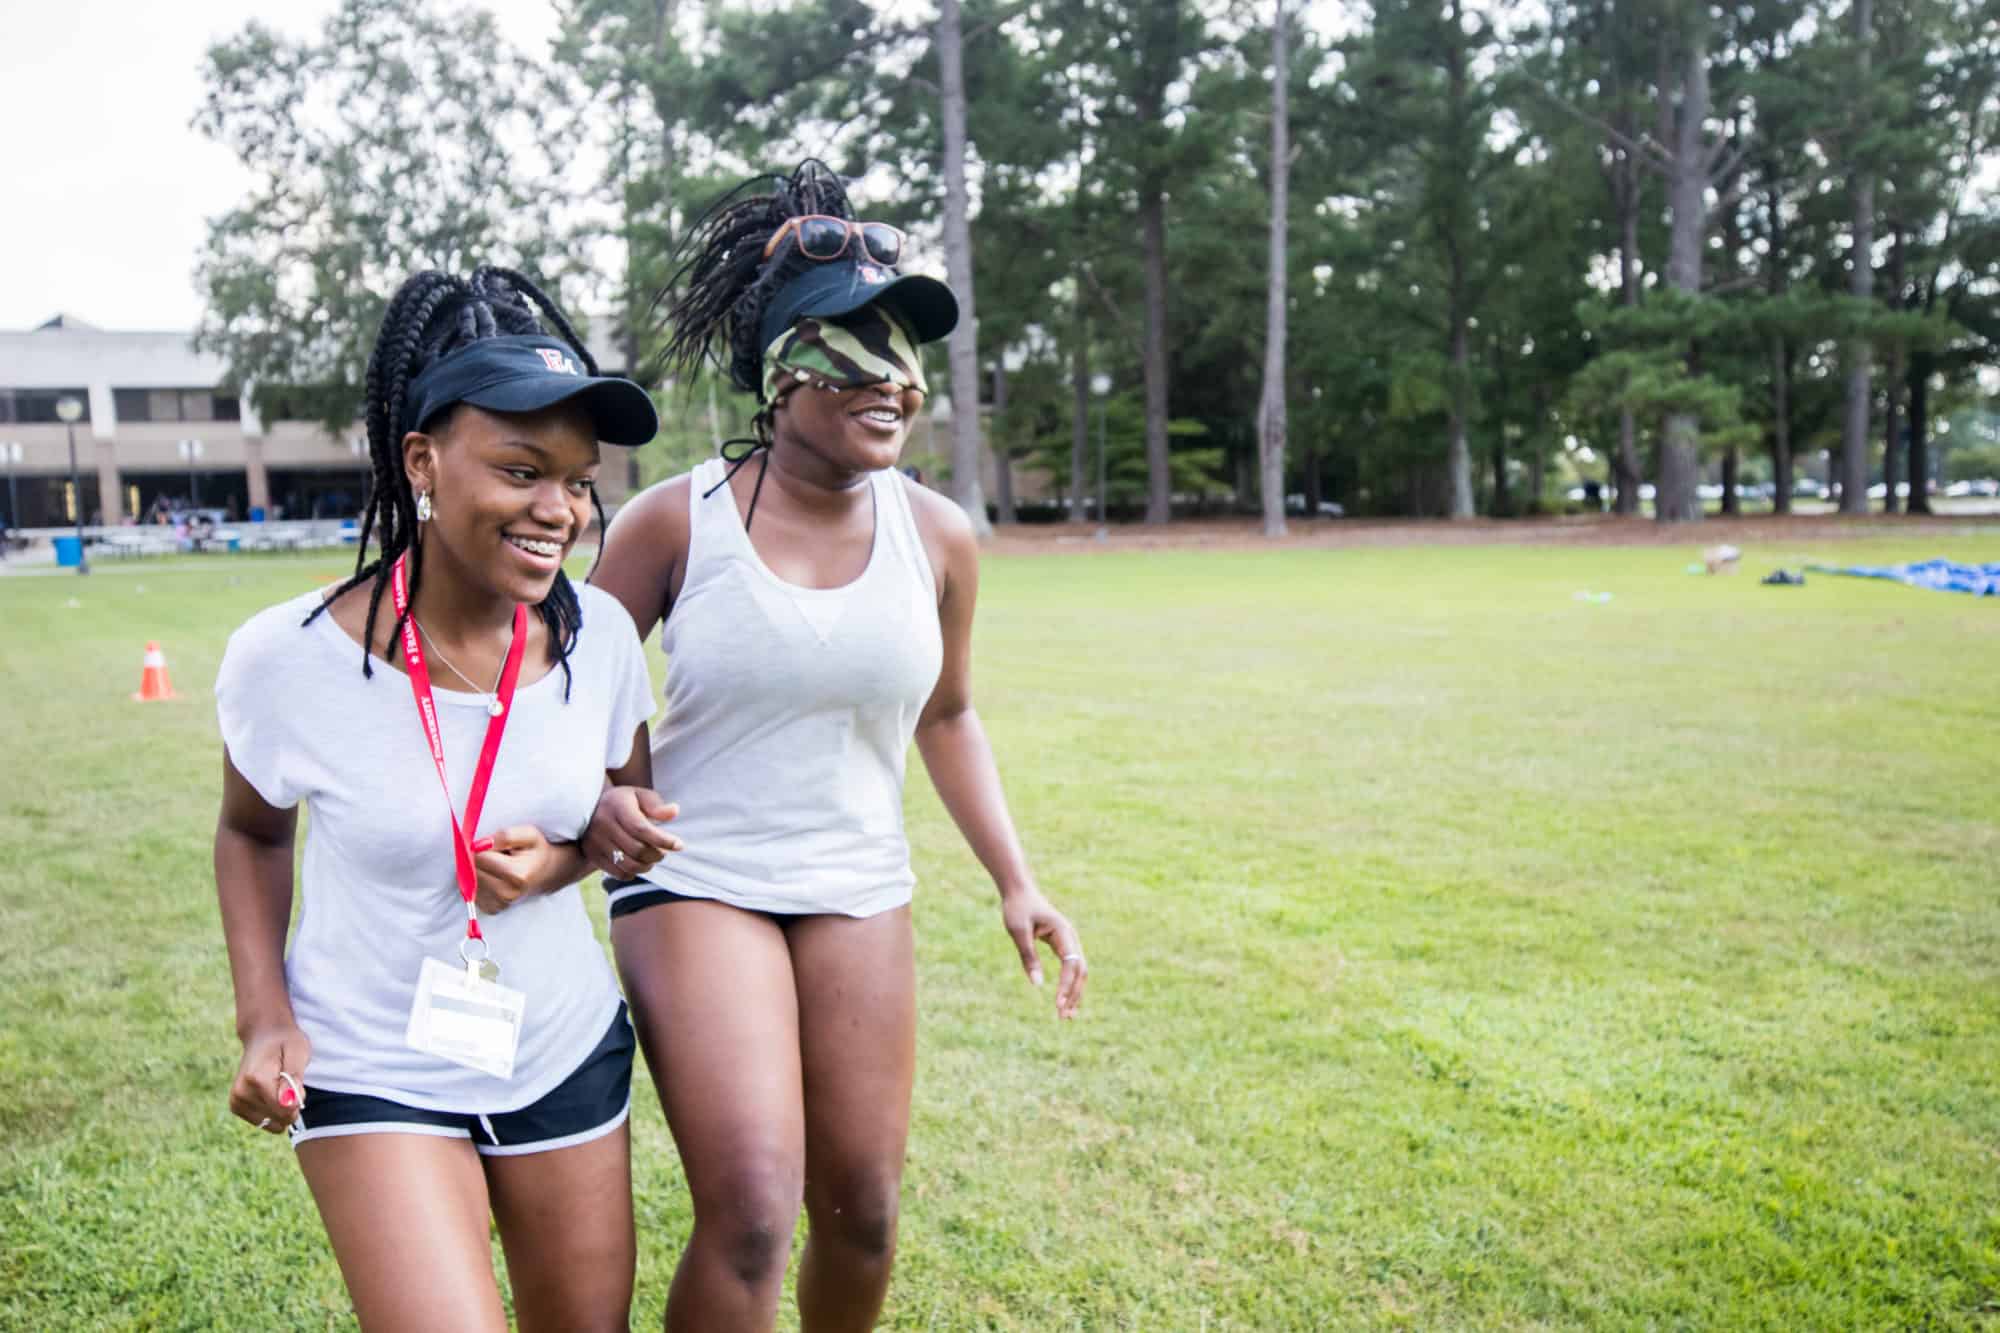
265	1123
1072	958
617	857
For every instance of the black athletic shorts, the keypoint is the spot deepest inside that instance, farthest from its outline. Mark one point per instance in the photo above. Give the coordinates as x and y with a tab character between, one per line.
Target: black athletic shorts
592	1102
652	895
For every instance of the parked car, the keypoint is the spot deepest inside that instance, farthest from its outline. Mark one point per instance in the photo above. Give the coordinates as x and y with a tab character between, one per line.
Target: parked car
1295	503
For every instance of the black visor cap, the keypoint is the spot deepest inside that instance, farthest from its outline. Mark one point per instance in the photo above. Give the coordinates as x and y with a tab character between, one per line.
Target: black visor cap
842	286
526	373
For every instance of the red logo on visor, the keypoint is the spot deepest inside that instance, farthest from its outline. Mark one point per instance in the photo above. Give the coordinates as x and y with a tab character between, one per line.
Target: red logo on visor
555	360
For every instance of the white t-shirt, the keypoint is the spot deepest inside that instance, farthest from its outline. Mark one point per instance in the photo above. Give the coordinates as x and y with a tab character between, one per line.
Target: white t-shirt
379	888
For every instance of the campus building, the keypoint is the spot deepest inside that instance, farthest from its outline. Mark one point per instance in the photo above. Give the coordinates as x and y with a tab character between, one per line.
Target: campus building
159	425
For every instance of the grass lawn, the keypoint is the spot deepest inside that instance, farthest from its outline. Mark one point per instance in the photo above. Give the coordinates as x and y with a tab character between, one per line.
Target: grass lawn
1465	955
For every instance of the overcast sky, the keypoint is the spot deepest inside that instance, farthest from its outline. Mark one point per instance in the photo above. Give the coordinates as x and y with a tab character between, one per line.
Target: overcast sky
108	190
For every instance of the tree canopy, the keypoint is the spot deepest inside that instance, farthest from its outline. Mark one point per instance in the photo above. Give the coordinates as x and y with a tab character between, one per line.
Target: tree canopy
1649	243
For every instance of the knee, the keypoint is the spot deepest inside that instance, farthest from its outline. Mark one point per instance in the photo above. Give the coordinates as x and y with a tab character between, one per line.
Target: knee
747	1219
859	1215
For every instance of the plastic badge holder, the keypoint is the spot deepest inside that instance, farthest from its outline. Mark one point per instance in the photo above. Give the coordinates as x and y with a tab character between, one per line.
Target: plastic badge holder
461	1017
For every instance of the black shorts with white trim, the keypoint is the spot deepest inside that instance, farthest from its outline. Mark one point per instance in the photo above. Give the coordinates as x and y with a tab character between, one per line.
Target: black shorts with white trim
592	1102
634	895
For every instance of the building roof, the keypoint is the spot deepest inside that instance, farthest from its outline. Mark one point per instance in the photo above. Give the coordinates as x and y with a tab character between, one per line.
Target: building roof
66	353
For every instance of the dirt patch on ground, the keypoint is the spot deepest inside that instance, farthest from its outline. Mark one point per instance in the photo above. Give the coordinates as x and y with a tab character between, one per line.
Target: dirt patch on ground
1246	535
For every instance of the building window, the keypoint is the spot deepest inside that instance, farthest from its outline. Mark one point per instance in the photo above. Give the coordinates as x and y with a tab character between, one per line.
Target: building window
175	405
38	406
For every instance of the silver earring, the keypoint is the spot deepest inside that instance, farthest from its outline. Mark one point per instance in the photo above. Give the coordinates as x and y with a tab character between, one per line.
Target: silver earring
424	510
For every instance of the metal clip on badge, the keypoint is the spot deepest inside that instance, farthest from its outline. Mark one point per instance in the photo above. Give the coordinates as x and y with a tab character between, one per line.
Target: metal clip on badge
479	964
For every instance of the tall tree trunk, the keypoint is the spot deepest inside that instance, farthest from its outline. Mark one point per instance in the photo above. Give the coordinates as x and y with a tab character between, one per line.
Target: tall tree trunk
1732	505
1627	195
1625	466
1079	416
1502	505
1781	356
1003	455
1271	415
1676	500
1159	478
1538	454
962	349
1892	384
1919	433
1892	430
1854	432
1458	458
1781	426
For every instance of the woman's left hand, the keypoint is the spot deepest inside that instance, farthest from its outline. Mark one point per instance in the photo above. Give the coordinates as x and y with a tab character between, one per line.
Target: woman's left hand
1030	917
512	863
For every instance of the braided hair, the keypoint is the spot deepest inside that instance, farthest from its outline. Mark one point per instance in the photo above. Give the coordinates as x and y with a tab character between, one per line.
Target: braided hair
432	315
715	300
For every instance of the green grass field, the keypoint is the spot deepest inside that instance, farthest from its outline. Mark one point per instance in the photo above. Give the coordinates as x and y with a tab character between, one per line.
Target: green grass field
1464	955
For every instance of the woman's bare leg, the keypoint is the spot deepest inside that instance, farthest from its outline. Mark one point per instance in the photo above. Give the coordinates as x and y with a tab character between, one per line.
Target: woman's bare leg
712	997
407	1215
566	1224
857	1036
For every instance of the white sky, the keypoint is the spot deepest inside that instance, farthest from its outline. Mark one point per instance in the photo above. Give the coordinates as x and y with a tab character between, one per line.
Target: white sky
108	188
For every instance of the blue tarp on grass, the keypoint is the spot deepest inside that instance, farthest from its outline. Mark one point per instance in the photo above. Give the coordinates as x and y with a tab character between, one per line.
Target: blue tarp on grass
1937	575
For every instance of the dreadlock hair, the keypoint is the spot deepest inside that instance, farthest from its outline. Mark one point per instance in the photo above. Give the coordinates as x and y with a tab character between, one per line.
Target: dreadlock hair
716	299
431	316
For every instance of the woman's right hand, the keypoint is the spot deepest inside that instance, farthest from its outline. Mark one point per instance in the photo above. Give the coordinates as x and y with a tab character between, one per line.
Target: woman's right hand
624	836
259	1095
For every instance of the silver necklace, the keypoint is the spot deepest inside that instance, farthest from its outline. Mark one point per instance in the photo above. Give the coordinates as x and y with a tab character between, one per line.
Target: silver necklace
494	707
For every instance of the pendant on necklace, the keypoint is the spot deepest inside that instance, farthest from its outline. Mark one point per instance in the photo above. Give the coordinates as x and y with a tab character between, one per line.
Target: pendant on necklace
495	708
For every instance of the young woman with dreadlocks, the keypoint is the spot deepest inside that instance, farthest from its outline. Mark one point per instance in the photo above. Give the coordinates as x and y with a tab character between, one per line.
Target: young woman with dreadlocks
818	614
445	1041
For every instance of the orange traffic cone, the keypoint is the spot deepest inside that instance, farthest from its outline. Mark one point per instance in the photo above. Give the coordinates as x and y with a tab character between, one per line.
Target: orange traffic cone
153	683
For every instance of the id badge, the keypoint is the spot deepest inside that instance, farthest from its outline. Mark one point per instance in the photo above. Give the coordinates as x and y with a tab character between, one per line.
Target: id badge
460	1017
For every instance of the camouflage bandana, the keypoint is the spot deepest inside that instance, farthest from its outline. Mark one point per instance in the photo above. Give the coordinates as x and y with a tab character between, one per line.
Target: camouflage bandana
867	347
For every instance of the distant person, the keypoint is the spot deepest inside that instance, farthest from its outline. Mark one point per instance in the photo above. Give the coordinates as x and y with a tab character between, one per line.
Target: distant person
818	615
426	1098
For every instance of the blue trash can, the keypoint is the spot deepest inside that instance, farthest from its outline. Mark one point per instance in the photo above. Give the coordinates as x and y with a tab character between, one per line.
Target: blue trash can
256	513
69	551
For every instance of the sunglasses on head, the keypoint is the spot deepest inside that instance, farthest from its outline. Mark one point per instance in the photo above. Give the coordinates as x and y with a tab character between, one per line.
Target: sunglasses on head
821	237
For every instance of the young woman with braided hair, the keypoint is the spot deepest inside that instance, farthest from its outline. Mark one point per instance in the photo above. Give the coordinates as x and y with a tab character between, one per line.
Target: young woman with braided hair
445	1043
818	615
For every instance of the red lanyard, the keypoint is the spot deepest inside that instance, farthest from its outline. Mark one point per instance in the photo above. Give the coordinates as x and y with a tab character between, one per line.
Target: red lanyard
420	686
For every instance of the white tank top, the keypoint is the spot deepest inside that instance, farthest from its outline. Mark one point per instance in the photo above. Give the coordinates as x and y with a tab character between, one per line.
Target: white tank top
789	715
